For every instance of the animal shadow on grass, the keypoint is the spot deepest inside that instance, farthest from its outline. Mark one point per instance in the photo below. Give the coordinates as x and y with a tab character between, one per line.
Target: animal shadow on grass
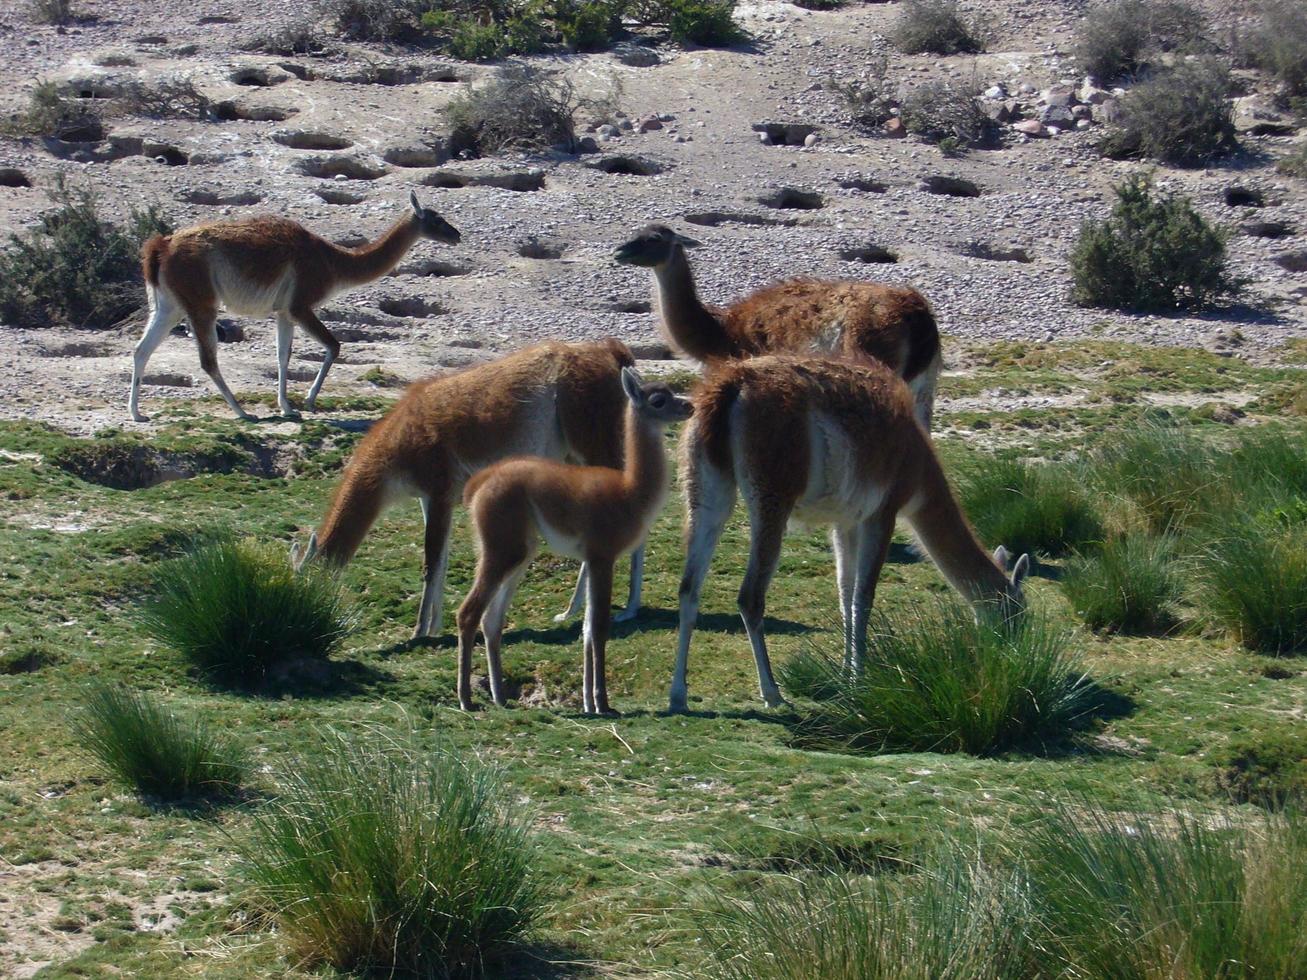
311	679
543	961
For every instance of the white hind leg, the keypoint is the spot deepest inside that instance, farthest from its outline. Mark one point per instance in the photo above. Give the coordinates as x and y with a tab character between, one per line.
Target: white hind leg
285	337
578	597
637	584
165	313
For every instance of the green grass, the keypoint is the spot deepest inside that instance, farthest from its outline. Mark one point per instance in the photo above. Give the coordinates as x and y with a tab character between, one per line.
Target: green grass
236	609
1254	584
1039	508
379	855
1130	585
1170	475
635	817
937	680
156	752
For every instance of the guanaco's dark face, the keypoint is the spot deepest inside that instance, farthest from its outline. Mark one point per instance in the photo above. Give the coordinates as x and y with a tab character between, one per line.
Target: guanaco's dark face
432	225
653	246
655	399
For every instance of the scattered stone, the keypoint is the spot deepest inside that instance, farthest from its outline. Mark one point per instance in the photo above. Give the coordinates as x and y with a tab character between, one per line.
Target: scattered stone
1057	115
1031	127
995	92
784	134
1058	95
1093	95
812	139
650	123
635	55
1108	111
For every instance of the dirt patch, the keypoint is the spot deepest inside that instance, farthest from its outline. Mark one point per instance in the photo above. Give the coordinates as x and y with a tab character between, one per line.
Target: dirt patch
414	306
712	219
994	253
232	111
212	199
298	139
950	186
866	184
415	156
792	199
434	267
332	196
628	165
329	168
536	248
132	466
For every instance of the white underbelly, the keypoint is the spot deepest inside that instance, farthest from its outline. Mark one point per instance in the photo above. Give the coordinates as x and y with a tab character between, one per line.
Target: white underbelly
835	492
251	299
559	542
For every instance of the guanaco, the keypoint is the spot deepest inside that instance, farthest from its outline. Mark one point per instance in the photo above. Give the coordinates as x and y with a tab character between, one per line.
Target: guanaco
823	441
589	512
556	400
892	324
256	266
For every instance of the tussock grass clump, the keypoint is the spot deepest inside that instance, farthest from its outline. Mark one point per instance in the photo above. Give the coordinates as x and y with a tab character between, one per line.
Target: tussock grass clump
948	114
959	921
1169	474
521	107
936	680
50	113
1294	163
1117	39
51	11
1181	116
1254	584
1130	585
1187	895
157	752
378	855
1028	507
938	27
1155	252
74	268
1270	770
235	609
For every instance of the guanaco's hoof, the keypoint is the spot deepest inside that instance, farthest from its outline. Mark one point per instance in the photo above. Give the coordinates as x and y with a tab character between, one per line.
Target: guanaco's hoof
626	615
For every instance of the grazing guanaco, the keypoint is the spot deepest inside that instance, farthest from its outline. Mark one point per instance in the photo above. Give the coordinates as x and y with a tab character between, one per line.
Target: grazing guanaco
829	442
892	324
559	401
257	266
593	513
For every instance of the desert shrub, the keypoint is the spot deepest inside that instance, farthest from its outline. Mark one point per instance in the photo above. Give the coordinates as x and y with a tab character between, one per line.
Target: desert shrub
938	27
297	37
235	609
941	111
871	99
1182	116
938	680
157	752
50	113
1028	507
1180	895
958	920
1116	39
521	107
74	268
372	20
1169	474
471	40
51	11
1155	252
380	856
163	100
1294	163
706	22
1279	45
1129	585
1254	584
588	25
1269	770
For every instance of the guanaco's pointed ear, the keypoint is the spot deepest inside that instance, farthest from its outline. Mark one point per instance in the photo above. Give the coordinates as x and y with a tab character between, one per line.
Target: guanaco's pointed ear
631	385
1002	557
413	200
686	241
1020	570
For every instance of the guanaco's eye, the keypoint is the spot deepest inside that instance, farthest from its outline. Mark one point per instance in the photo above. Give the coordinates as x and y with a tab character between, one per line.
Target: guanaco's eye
658	401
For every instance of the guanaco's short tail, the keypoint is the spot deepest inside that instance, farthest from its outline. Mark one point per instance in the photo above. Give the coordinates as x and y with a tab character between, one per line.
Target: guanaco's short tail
151	258
712	413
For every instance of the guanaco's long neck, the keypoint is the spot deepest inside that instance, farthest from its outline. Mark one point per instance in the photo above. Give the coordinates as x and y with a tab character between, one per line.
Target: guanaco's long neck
373	260
354	509
645	471
943	529
690	326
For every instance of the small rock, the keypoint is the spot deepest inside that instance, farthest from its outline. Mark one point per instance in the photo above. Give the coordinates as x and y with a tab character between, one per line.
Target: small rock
608	130
764	139
812	139
1031	127
1093	95
1058	95
1025	88
650	123
626	125
995	92
895	128
1108	111
1080	112
1057	115
635	55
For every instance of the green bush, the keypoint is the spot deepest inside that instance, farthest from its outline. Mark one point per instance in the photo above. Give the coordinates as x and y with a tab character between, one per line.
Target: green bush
235	609
1184	895
1294	163
938	27
380	857
473	41
156	752
1130	585
522	107
1155	252
588	25
1279	45
1254	584
959	920
50	113
1116	39
1181	116
1270	770
1028	507
937	680
941	111
710	23
373	20
73	268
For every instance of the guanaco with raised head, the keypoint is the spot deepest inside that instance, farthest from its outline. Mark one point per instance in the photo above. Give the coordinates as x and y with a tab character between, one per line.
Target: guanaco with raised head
256	266
589	512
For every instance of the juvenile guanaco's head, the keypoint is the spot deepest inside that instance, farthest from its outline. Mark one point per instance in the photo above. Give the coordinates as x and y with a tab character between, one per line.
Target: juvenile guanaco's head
653	246
1012	603
655	400
432	225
